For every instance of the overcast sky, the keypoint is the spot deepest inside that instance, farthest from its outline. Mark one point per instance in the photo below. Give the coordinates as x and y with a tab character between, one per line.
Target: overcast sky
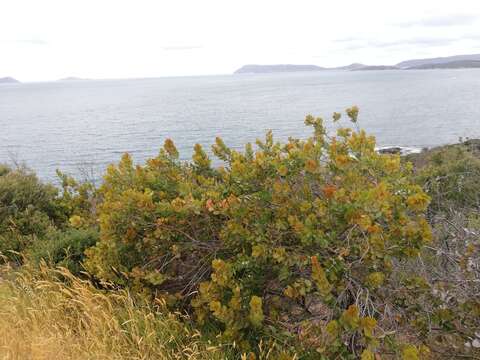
51	39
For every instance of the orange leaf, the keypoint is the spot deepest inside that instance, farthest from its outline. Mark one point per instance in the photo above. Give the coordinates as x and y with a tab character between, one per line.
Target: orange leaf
329	191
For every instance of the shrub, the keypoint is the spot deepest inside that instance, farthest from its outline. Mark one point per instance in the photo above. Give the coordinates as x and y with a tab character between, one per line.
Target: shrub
28	209
449	175
64	248
297	240
79	200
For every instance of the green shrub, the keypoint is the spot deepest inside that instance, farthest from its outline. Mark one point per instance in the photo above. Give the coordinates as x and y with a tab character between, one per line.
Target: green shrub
79	200
28	209
449	175
294	240
63	248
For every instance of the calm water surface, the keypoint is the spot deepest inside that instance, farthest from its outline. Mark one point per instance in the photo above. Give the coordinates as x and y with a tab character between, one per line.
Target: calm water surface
88	124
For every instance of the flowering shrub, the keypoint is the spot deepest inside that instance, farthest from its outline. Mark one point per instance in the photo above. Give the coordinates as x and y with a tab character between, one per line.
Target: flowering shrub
297	239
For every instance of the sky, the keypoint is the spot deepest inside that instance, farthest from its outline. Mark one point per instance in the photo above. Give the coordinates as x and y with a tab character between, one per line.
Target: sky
52	39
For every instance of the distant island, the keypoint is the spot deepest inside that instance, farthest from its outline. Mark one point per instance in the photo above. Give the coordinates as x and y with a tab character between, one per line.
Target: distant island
8	80
450	62
282	68
411	64
459	64
375	67
354	66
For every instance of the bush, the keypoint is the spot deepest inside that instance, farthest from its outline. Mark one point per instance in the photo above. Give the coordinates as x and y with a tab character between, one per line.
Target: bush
28	209
64	248
449	175
295	240
79	199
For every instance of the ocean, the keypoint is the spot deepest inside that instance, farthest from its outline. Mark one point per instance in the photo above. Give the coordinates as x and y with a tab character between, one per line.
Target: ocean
80	127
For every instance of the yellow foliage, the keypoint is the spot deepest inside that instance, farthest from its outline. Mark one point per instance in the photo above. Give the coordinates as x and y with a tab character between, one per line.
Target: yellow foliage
283	170
200	158
256	312
318	275
375	279
350	317
315	217
76	221
418	202
258	251
352	113
311	165
410	352
368	325
333	328
222	272
367	355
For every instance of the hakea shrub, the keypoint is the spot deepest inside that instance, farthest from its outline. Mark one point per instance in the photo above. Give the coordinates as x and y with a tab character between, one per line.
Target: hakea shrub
296	239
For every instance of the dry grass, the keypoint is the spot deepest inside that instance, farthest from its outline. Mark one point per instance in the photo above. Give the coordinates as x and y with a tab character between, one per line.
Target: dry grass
50	314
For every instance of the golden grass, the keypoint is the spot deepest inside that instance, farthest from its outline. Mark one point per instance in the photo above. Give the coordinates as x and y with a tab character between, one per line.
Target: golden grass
50	314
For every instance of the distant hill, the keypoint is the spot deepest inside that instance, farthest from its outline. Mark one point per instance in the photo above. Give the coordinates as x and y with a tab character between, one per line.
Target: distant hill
450	62
8	80
259	69
354	66
460	64
437	61
376	67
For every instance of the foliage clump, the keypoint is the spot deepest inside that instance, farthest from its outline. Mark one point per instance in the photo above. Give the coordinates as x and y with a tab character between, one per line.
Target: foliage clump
28	209
283	238
63	248
450	176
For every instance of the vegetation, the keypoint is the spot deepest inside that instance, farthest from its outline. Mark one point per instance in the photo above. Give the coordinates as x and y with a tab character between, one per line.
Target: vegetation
28	209
63	248
314	249
50	314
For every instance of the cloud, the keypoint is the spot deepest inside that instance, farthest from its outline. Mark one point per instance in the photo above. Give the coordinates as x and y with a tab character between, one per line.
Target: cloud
442	21
33	42
475	37
359	43
422	41
348	39
26	41
182	47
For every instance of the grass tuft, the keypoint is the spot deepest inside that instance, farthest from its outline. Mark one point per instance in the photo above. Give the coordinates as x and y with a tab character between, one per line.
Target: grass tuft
51	314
